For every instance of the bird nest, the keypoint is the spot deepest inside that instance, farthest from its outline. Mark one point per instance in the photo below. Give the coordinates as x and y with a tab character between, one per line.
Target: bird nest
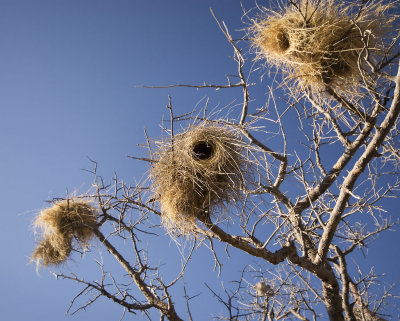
196	174
60	224
320	43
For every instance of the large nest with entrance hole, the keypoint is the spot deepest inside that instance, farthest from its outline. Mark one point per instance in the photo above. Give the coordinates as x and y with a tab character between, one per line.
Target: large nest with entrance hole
196	174
60	224
320	43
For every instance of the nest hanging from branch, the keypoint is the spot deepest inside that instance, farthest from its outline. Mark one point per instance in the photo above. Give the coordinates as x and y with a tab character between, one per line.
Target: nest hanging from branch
320	43
197	174
263	289
60	224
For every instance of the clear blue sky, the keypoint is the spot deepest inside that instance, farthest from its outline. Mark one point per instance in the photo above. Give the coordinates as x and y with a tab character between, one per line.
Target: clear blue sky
68	72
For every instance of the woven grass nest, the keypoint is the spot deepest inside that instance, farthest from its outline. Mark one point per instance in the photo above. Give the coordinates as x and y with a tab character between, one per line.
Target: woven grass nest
263	289
60	224
319	43
197	174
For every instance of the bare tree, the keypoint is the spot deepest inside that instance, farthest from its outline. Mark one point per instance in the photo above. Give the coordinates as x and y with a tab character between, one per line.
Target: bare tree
304	211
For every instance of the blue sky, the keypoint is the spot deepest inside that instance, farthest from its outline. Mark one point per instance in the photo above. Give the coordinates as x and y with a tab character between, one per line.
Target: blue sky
68	77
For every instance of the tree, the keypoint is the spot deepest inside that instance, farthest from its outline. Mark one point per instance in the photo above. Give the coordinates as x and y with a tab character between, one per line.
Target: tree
303	209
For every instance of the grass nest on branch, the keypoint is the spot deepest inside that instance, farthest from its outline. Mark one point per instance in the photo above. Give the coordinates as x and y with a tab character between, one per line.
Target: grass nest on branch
197	173
320	43
60	224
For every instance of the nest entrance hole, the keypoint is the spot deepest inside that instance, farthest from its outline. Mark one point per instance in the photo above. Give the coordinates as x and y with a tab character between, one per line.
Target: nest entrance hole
203	150
282	39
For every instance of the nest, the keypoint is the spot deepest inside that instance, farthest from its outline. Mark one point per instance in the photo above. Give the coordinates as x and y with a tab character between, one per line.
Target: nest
319	43
196	174
263	289
60	224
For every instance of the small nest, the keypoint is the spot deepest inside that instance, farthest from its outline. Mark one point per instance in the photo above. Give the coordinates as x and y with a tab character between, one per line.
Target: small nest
263	289
196	174
60	224
319	43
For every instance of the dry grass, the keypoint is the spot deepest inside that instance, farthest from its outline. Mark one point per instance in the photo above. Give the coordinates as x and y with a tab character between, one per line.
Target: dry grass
263	289
52	250
60	224
319	43
197	174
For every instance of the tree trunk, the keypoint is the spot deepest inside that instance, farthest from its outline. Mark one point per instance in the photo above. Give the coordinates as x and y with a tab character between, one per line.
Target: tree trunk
333	302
